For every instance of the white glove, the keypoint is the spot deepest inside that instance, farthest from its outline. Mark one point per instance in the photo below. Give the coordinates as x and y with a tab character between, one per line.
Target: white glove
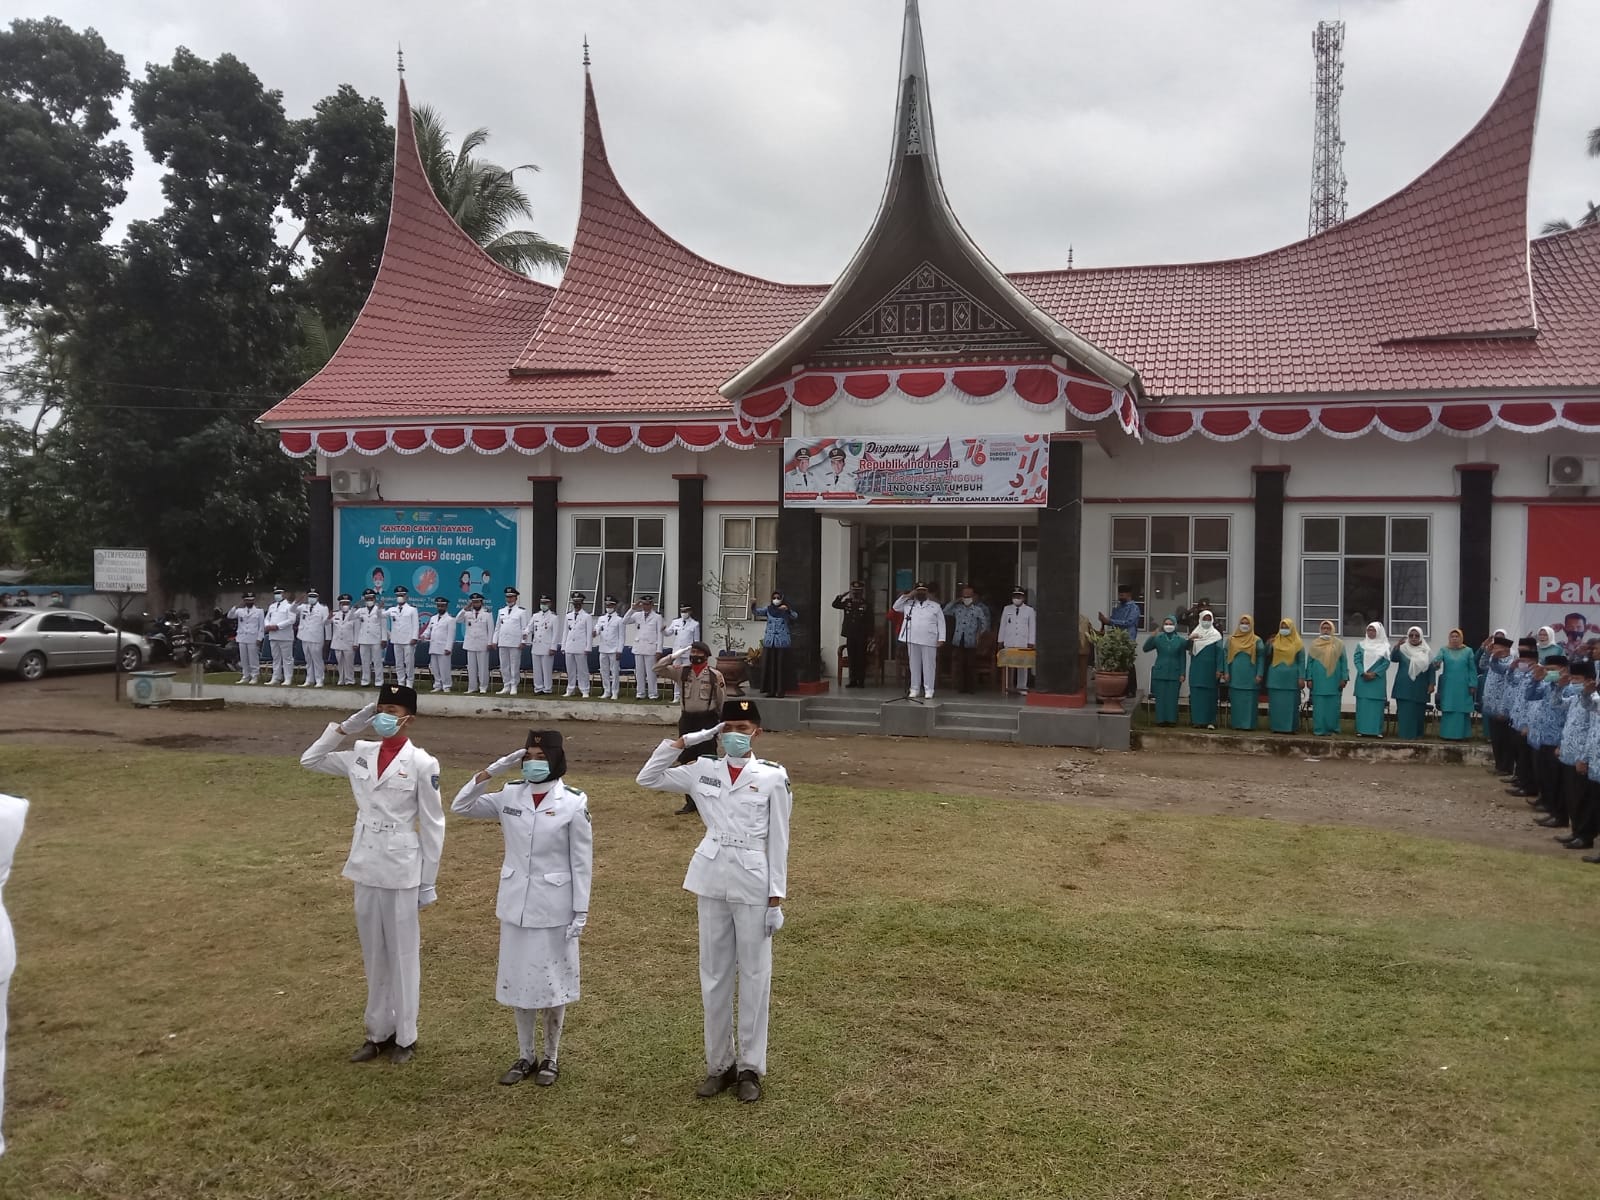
682	653
426	896
579	920
701	736
774	920
509	763
357	721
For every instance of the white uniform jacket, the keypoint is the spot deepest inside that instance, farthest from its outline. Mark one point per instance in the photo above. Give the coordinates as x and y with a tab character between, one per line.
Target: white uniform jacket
280	613
313	622
648	640
342	630
549	863
577	632
609	629
477	629
13	810
369	626
744	856
1017	626
440	633
544	632
403	621
399	830
252	622
924	623
511	626
684	632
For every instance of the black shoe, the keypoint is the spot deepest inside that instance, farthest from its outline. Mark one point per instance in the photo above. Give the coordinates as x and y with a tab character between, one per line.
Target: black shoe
519	1071
1551	822
1516	791
749	1087
1578	843
688	807
715	1085
1594	858
403	1054
548	1073
371	1050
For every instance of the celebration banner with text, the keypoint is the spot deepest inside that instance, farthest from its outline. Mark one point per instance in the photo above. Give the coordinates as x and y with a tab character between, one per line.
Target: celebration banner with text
1563	584
997	469
450	552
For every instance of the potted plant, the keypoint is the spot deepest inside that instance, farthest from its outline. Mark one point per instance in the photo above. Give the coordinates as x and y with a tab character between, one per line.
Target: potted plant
733	660
1114	655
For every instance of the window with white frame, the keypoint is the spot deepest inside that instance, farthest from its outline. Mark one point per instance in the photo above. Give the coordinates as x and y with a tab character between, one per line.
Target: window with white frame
749	569
1358	569
1174	564
623	557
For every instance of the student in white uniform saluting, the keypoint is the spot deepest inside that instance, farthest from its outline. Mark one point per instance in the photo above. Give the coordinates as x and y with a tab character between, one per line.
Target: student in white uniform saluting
477	635
404	629
312	619
576	637
1018	631
370	633
510	635
609	630
250	624
739	872
342	639
646	646
543	904
440	635
544	639
394	859
13	810
280	638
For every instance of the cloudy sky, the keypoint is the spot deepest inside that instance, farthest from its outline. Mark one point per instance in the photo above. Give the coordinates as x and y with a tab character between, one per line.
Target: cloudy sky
756	131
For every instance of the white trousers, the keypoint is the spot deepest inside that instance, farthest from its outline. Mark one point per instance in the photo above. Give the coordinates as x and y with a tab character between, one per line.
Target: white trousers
528	1027
316	664
611	675
391	949
645	682
577	674
4	988
734	946
1017	678
439	668
250	660
405	664
478	670
544	672
924	667
510	667
371	663
347	665
282	661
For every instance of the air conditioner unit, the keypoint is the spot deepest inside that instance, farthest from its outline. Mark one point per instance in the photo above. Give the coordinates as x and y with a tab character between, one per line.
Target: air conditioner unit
352	483
1568	470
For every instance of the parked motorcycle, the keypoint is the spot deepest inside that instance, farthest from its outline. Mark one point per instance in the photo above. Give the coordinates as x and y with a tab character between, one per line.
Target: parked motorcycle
169	637
212	642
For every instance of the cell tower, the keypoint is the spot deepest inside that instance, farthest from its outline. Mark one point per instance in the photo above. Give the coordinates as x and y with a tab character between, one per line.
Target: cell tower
1327	157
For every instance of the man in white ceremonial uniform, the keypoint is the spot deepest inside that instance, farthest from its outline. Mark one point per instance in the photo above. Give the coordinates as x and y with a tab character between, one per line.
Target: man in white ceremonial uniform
577	636
543	904
440	635
342	639
250	625
370	633
646	646
312	621
477	635
922	631
1018	631
404	629
544	639
280	638
609	631
739	872
13	811
510	635
681	632
393	862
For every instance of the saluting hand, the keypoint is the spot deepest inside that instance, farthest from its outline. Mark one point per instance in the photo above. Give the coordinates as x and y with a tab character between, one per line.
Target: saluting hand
700	736
509	763
360	719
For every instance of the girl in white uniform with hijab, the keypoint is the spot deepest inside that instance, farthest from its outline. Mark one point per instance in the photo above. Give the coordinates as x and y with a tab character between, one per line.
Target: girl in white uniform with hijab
543	903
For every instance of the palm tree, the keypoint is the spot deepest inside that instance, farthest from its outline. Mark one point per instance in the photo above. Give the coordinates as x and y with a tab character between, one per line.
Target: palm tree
482	197
1592	217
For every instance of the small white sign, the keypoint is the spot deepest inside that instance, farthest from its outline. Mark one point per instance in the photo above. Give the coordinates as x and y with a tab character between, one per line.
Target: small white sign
120	571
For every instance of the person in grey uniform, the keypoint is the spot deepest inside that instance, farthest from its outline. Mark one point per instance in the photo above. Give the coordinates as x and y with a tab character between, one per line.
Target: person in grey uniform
543	903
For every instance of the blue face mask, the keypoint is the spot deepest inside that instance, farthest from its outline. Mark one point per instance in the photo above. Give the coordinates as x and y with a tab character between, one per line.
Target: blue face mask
736	745
535	770
386	725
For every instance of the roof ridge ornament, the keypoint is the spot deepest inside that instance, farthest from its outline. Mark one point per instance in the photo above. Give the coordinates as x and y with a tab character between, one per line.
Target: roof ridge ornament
586	52
913	126
400	59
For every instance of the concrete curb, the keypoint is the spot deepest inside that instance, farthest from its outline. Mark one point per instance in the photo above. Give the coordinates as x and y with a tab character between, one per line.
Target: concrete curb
347	700
1307	747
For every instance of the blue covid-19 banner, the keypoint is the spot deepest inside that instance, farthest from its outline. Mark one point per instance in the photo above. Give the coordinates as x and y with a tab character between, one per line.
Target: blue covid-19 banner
450	552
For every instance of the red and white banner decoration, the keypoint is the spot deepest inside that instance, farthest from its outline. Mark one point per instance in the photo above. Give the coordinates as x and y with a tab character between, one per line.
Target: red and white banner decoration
1401	422
528	439
1037	387
1563	576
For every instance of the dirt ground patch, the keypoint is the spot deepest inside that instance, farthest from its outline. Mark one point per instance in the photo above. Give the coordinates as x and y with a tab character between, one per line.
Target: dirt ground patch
1460	803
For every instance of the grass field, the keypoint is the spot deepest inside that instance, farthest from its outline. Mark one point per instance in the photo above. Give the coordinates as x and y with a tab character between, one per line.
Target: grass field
973	998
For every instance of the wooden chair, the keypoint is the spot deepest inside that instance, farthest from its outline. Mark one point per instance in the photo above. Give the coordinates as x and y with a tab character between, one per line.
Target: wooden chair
986	671
874	659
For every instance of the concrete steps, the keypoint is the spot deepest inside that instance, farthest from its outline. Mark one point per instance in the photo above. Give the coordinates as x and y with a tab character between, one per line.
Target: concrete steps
828	725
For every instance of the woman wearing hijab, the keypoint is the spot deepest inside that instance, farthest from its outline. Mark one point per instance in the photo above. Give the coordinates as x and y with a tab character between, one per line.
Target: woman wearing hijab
1326	674
1286	675
1546	640
775	642
1166	677
543	904
1372	668
1205	669
1413	683
1246	660
1458	680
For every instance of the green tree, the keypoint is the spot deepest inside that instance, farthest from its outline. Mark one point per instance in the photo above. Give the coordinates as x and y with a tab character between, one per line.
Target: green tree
1592	215
482	197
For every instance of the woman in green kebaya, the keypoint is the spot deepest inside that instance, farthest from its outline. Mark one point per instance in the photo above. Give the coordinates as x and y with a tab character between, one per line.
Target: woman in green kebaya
1413	683
1166	676
1205	670
1286	675
1246	654
1457	695
1372	693
1327	673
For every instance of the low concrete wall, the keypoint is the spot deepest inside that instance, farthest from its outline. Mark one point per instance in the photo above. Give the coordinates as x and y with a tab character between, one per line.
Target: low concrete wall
346	701
1367	750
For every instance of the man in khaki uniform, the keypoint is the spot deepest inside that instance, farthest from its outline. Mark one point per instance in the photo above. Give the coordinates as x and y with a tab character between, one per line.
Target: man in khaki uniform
701	690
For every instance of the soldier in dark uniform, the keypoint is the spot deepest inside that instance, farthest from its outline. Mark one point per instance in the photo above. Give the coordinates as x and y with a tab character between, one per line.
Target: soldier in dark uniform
856	626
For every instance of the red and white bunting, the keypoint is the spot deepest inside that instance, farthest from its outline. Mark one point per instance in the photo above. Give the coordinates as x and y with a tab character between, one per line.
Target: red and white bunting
528	439
1401	422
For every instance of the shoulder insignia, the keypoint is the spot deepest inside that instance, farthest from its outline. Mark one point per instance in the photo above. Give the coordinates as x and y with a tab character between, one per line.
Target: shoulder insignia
586	815
434	780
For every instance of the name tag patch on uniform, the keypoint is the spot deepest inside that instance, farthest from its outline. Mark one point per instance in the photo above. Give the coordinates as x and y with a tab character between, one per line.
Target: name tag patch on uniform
511	812
711	779
361	762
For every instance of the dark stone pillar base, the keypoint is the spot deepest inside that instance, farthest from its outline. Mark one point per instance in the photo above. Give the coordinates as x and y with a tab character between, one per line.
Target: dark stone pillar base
1058	676
800	580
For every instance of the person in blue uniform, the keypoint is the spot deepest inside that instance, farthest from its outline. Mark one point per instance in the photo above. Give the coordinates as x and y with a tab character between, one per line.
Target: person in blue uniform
1413	683
1286	676
1205	670
1372	673
1244	672
1166	676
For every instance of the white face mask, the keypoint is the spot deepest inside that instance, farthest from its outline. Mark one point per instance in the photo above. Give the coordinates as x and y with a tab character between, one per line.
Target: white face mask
1169	627
1285	631
966	600
344	607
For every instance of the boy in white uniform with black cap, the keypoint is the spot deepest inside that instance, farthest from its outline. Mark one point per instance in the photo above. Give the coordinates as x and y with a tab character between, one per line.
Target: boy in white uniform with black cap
370	633
13	810
280	638
543	904
609	630
477	635
576	638
342	639
312	617
440	635
250	624
646	646
510	635
404	628
544	639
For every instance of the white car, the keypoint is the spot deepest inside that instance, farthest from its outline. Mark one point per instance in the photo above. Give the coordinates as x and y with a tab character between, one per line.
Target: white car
36	640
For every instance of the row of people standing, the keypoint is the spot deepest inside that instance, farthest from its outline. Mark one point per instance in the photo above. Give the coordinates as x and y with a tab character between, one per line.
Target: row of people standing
1243	665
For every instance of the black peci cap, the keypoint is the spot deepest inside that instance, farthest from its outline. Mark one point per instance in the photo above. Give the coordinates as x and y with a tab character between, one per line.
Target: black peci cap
475	596
402	695
741	710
